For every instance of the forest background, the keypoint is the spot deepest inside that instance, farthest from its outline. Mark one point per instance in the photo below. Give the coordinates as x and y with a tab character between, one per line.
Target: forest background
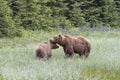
19	15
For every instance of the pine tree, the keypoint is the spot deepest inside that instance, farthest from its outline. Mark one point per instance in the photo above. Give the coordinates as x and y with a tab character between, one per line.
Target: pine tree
90	11
100	11
58	15
25	11
117	6
108	12
74	14
7	24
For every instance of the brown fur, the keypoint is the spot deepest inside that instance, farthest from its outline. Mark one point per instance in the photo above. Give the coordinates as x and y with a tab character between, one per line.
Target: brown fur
44	49
73	45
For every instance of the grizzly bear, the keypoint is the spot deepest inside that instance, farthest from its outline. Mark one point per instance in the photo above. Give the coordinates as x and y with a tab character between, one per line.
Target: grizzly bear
73	45
43	49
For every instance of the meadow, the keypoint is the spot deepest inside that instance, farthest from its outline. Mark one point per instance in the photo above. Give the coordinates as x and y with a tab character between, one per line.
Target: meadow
18	61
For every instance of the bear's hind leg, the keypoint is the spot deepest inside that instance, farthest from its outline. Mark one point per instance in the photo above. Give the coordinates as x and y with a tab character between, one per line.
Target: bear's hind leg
86	53
49	56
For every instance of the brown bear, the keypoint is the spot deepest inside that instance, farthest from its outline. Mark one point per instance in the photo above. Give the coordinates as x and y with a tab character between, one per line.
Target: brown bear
43	49
72	45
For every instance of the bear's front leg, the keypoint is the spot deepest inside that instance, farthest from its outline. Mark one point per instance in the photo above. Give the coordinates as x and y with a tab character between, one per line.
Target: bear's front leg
68	51
49	55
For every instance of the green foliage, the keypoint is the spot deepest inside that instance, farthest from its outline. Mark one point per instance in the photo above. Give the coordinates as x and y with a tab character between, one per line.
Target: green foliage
108	13
26	13
101	11
7	24
75	14
48	14
57	14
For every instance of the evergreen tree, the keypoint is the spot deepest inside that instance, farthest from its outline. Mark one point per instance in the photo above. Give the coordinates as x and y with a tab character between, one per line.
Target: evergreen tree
25	13
100	11
7	24
44	14
59	18
47	14
117	5
108	12
90	11
14	5
74	14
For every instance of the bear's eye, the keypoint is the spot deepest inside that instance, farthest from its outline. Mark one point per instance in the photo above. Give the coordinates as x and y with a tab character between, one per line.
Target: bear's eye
54	37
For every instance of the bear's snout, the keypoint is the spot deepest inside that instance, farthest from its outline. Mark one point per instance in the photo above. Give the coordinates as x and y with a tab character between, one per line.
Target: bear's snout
52	40
54	46
57	46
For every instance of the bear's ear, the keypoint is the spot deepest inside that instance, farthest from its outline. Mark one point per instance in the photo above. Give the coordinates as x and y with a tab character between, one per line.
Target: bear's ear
60	35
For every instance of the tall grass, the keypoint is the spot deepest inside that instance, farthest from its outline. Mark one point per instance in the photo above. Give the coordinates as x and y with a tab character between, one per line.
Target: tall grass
18	62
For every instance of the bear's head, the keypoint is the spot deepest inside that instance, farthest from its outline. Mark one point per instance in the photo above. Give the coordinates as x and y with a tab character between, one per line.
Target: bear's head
53	45
58	39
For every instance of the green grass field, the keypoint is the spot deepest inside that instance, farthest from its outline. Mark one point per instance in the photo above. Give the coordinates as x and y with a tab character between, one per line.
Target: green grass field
18	61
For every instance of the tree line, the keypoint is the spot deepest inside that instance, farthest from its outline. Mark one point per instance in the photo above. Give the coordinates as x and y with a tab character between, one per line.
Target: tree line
16	15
